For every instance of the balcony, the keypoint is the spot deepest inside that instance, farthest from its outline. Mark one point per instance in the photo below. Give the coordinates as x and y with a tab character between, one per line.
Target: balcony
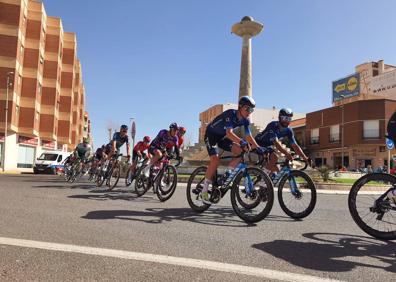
314	140
334	138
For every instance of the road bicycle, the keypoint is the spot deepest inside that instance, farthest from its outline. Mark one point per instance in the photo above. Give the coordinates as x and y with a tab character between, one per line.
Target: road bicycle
296	189
162	177
110	172
138	169
252	193
370	207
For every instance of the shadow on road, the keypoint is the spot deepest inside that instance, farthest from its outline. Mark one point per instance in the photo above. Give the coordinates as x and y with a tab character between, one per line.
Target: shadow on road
103	195
76	186
218	217
334	252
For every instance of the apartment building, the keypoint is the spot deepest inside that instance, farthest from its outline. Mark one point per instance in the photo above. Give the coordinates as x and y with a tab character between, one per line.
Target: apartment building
40	81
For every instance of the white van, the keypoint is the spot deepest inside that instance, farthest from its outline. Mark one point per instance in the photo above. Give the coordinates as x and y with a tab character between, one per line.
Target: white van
49	161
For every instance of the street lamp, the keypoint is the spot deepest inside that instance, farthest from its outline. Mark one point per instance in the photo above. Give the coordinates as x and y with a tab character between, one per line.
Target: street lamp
9	74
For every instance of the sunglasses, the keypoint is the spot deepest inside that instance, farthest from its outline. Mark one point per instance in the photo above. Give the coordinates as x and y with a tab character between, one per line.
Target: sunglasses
286	118
125	131
249	110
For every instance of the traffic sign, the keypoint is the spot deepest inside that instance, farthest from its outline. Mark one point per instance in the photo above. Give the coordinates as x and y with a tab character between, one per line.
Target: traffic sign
389	144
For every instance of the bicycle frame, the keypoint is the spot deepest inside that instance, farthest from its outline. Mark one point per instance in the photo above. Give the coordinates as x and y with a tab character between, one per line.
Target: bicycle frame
241	167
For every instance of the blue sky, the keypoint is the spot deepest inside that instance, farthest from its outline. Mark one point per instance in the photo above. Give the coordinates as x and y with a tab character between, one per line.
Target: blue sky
165	61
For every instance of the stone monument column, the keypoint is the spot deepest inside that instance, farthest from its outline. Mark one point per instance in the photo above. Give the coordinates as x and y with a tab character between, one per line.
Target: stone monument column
246	28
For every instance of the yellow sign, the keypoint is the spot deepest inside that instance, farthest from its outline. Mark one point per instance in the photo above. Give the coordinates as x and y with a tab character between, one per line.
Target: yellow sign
352	83
339	87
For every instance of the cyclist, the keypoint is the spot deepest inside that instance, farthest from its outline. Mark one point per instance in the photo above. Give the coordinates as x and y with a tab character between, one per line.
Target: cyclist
119	138
98	156
158	145
138	152
180	137
83	151
274	133
220	133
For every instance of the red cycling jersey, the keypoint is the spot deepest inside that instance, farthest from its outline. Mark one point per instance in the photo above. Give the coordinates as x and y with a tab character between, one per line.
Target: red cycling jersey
141	147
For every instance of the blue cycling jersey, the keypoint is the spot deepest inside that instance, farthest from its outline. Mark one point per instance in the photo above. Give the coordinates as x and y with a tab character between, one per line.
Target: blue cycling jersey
274	131
226	120
119	140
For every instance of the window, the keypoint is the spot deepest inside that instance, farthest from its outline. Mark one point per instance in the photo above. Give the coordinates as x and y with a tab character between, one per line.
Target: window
25	157
59	159
335	133
371	129
375	72
315	136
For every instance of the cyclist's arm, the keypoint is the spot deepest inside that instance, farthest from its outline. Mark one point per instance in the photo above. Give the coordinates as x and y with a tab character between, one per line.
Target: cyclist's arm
232	136
252	141
299	151
113	143
177	151
128	149
278	146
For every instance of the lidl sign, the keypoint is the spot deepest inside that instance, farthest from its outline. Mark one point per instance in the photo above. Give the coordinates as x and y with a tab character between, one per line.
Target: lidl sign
346	87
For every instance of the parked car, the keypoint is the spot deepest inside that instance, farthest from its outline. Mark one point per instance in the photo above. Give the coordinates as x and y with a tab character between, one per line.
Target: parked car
49	162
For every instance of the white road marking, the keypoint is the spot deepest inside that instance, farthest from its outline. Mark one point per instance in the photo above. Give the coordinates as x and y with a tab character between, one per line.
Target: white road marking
179	261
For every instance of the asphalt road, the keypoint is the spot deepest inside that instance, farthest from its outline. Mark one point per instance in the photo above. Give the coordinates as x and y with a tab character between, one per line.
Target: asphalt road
126	234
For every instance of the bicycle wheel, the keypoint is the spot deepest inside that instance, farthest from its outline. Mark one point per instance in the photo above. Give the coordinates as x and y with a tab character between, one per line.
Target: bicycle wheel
128	181
114	176
371	210
258	204
300	201
194	188
166	183
99	179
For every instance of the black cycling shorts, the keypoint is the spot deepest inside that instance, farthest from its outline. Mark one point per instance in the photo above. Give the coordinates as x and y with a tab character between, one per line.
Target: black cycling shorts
213	142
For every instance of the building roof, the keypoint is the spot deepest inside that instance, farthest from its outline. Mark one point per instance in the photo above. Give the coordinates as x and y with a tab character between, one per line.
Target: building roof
298	122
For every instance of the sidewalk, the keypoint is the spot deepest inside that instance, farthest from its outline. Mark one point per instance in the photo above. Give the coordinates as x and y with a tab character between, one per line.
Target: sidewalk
17	171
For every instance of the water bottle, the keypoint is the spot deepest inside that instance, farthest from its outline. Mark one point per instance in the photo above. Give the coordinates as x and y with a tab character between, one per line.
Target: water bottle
223	178
232	173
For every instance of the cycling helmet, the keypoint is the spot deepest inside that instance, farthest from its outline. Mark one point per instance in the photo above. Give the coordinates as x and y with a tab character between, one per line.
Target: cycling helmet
147	139
285	116
285	112
124	127
246	101
173	126
182	129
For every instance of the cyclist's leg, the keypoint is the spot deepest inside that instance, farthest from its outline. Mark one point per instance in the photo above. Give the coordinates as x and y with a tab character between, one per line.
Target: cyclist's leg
135	159
227	145
212	148
157	154
271	165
